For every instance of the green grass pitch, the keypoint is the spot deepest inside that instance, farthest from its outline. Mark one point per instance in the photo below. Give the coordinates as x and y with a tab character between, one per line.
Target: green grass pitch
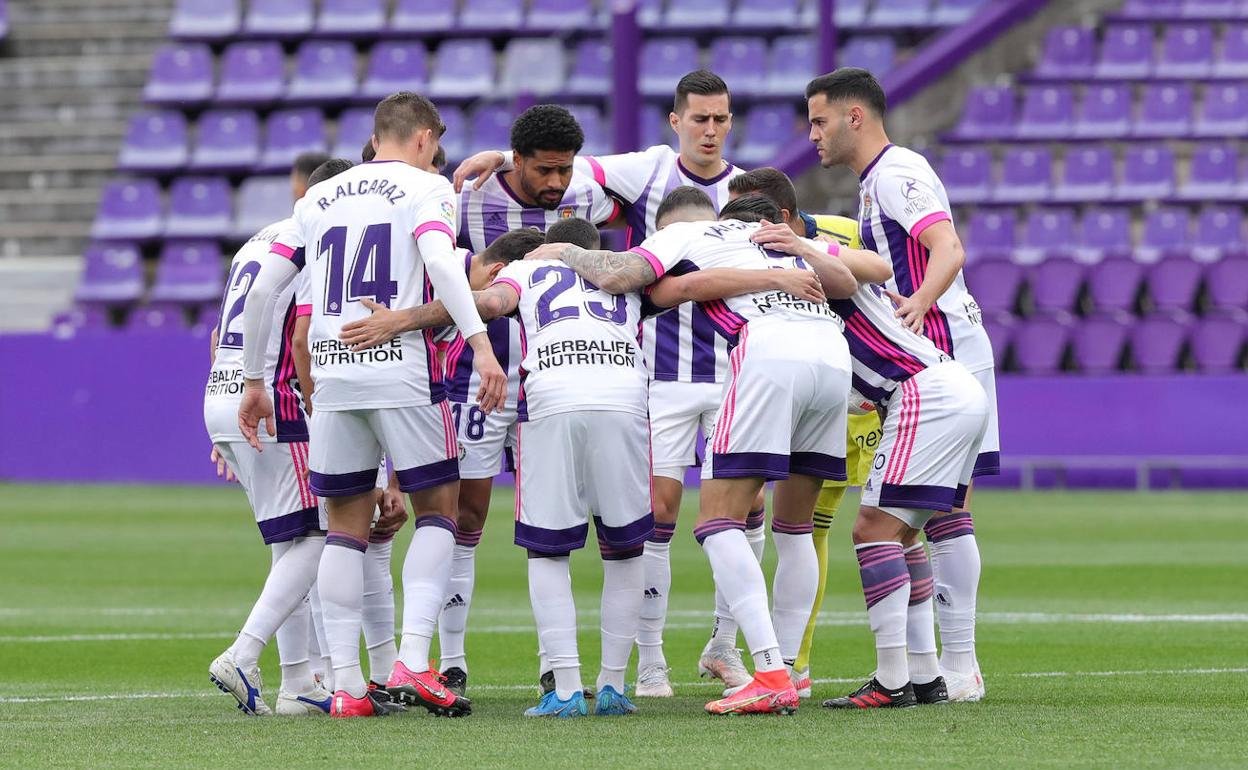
1114	632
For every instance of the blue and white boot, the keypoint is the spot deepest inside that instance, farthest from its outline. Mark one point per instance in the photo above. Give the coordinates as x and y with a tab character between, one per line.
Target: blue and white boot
245	686
610	703
551	706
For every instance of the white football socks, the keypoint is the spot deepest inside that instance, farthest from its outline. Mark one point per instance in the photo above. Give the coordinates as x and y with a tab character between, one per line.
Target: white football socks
554	612
340	583
453	620
426	571
793	589
920	624
658	583
739	577
318	644
378	611
290	577
956	567
623	581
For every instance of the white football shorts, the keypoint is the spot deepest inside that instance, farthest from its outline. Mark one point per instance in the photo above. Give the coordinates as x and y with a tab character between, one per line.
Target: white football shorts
347	446
677	411
280	495
485	440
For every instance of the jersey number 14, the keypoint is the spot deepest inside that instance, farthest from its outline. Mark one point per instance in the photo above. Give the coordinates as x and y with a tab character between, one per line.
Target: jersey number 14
370	267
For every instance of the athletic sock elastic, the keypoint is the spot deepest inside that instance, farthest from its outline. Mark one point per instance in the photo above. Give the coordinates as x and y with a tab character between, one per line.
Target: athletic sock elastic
341	585
426	571
378	611
756	532
453	620
623	581
955	567
920	625
794	585
886	587
739	577
554	612
658	582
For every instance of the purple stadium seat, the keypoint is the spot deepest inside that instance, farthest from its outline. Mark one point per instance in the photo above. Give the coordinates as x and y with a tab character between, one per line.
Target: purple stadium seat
1156	343
591	68
252	73
1048	112
995	285
901	13
596	130
876	53
967	174
199	207
1224	111
697	13
422	16
1126	51
278	18
989	234
155	141
463	69
395	66
648	13
351	17
205	19
791	64
1105	111
1219	231
1216	10
1166	232
1040	344
287	133
653	127
1104	232
1165	110
181	74
1055	284
1233	61
207	319
156	318
775	13
189	271
324	72
1114	284
1186	51
229	140
1152	9
988	114
560	14
1026	174
1046	233
355	126
663	62
736	60
490	126
1217	344
1087	175
1000	334
768	127
849	13
1212	174
1147	172
533	66
1097	344
1173	283
1228	283
128	210
112	273
455	140
86	318
491	14
950	12
1069	52
261	201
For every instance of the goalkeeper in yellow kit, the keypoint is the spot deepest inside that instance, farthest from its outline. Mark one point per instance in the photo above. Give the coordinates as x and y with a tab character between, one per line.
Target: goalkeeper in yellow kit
864	429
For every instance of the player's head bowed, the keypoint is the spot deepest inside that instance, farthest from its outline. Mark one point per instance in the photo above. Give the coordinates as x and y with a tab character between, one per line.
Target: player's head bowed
684	204
751	207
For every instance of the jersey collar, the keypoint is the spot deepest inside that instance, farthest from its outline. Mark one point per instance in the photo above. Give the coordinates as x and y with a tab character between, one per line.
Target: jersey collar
871	165
701	179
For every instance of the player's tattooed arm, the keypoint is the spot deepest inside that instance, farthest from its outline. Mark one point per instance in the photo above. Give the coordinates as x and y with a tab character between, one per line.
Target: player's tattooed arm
708	285
386	324
615	272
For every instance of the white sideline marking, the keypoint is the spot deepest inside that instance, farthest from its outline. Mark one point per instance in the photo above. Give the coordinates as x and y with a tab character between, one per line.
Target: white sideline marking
531	686
138	637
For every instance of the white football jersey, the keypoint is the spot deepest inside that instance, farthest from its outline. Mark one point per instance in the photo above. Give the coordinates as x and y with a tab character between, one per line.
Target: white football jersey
224	389
357	234
898	198
579	343
462	380
680	345
493	210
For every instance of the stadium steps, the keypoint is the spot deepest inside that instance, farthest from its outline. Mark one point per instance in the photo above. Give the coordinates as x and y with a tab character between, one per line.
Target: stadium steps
33	72
32	290
60	172
51	205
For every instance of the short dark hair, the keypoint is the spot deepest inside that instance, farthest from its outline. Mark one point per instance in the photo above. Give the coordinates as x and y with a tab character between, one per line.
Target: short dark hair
439	158
575	230
546	127
850	83
772	182
751	207
700	82
307	162
510	246
328	170
369	152
402	114
683	197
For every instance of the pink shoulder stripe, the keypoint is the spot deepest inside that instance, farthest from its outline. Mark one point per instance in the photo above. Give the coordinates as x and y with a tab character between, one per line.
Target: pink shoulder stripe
281	250
301	310
653	260
508	282
928	221
600	174
434	226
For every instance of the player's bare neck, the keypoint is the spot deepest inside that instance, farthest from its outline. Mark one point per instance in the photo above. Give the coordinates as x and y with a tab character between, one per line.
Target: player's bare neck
868	150
510	180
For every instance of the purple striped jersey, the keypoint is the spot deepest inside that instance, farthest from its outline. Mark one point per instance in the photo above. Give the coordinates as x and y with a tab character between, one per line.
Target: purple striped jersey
493	210
899	197
462	382
357	235
682	344
224	389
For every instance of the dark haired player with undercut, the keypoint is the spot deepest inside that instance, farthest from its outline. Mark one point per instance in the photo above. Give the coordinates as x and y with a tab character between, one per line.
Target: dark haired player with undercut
575	230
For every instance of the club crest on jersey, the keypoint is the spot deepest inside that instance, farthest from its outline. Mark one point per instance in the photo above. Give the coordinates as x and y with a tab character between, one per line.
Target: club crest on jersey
866	205
462	451
567	212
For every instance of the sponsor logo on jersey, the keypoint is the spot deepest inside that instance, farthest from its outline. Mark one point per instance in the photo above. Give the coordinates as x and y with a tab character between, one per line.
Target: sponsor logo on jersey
448	211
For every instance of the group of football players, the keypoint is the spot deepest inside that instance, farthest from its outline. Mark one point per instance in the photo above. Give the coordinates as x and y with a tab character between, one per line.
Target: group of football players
451	329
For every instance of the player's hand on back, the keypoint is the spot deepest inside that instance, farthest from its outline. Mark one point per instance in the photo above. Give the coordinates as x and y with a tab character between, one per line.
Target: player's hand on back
777	237
911	310
223	470
803	284
482	166
493	391
382	326
255	406
547	251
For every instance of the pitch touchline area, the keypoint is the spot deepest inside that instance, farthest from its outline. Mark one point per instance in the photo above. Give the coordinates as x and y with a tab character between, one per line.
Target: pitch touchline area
530	685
